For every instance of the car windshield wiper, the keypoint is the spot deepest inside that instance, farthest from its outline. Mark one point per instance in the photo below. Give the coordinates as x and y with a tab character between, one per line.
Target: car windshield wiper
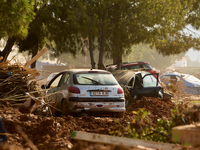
96	82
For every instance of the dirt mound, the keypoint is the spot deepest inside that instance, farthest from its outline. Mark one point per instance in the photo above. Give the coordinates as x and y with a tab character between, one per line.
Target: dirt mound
158	108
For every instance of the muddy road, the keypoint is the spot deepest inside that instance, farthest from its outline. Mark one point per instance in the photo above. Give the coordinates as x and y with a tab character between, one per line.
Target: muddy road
54	132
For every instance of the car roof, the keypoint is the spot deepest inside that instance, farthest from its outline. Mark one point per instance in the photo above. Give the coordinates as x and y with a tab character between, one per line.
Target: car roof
124	76
85	70
174	73
134	63
128	63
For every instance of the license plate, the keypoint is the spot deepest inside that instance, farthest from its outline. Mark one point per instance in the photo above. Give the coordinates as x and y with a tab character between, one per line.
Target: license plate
99	93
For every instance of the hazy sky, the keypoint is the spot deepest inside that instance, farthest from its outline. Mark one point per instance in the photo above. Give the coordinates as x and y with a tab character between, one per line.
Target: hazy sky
193	54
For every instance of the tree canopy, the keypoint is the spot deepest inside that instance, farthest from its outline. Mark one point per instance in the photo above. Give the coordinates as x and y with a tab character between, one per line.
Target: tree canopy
15	16
112	27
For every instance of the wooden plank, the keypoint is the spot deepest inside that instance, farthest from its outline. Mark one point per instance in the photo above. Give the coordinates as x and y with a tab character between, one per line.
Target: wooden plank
187	134
35	57
107	139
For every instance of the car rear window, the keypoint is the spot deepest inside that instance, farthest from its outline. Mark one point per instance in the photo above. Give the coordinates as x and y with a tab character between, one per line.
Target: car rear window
94	79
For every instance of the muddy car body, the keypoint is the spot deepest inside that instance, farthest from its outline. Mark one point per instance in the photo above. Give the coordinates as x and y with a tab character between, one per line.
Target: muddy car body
138	65
183	82
75	91
139	83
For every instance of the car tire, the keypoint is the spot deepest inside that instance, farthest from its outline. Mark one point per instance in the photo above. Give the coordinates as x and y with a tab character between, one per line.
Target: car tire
120	115
65	109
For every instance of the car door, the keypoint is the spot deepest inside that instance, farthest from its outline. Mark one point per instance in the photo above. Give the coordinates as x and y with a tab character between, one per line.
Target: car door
137	86
62	90
129	86
52	89
62	82
53	84
149	87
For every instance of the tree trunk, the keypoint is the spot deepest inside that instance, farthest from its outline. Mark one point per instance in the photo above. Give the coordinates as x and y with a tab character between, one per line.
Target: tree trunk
8	48
117	50
114	58
91	53
119	61
101	52
84	41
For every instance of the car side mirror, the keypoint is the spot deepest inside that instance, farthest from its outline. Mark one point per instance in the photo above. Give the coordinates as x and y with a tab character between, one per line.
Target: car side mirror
43	86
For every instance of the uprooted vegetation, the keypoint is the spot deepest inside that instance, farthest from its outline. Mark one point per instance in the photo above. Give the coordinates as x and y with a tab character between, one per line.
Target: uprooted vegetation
148	118
16	81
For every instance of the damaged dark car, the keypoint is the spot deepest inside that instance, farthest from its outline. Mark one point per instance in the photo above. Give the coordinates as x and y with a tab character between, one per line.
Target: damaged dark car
140	83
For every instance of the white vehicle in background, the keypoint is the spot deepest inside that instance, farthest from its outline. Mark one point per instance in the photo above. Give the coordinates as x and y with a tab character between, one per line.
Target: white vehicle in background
86	91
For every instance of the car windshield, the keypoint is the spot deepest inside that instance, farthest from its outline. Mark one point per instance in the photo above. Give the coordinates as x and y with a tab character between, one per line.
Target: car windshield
94	79
190	78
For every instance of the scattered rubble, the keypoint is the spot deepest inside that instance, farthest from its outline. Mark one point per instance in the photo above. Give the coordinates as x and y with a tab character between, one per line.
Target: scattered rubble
26	130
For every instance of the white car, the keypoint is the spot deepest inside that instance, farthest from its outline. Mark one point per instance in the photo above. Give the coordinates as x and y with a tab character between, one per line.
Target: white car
86	91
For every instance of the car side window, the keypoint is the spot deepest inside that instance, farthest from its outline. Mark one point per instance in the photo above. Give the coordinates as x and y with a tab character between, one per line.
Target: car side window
55	81
63	79
131	82
138	83
165	79
173	79
149	81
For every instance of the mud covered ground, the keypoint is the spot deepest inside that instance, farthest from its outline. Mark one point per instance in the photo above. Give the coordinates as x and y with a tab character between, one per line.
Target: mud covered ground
27	131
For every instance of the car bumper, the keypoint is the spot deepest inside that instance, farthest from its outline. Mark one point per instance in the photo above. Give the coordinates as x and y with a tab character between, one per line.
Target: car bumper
96	104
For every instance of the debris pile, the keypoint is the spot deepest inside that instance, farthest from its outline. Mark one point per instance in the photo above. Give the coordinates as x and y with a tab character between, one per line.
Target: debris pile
15	80
18	86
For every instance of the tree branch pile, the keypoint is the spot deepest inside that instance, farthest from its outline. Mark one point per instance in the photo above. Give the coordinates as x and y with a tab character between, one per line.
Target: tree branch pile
15	81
